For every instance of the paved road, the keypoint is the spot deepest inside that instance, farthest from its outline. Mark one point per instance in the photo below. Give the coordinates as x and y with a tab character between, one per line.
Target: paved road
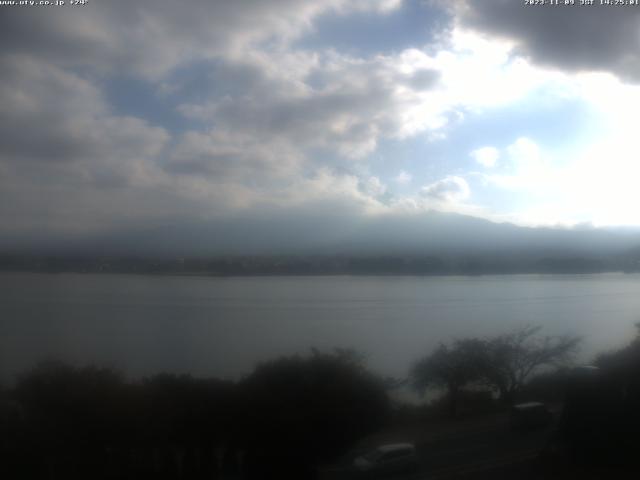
472	452
484	448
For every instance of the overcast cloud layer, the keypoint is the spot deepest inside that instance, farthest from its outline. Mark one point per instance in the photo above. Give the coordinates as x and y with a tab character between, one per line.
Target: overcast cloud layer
120	116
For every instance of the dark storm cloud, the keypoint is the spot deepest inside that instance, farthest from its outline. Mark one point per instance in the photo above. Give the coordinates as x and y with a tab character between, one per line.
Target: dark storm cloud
591	38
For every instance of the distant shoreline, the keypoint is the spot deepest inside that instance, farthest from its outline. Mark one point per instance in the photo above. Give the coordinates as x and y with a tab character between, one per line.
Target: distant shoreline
327	265
310	275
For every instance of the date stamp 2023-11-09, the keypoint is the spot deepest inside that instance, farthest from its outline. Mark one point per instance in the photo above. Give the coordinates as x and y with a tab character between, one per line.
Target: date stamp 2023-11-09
582	3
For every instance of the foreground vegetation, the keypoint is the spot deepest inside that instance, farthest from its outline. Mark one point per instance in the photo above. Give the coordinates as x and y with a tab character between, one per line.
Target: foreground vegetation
502	364
288	416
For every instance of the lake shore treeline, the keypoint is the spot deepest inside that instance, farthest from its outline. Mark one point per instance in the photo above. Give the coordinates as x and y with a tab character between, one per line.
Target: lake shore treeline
549	262
286	418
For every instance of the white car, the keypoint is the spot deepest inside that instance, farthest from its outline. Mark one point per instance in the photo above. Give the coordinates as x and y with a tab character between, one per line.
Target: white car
387	460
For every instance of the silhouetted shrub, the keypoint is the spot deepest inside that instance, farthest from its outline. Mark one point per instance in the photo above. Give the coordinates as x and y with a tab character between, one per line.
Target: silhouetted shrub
305	410
71	422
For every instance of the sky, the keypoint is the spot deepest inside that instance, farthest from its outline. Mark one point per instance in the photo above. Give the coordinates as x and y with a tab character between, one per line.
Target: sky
120	116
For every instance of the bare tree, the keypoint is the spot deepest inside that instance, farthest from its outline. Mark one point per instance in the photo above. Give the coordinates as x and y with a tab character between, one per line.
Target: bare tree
451	367
511	359
503	363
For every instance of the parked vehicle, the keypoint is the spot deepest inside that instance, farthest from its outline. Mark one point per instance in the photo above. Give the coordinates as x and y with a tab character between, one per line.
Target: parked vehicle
530	416
387	460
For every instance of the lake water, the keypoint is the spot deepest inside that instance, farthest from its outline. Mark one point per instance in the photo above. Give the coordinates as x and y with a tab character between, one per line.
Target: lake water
223	326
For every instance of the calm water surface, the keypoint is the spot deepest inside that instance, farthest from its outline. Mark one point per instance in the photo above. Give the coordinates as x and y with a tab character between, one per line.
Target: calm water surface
223	326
